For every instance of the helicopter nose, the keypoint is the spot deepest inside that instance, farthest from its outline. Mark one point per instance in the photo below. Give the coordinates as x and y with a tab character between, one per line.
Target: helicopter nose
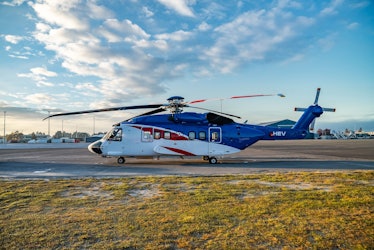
95	147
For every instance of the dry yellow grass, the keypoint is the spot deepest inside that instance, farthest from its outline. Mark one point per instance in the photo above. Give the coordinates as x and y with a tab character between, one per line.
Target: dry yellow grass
261	211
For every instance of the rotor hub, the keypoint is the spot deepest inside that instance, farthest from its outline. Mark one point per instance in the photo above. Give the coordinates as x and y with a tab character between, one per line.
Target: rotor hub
176	104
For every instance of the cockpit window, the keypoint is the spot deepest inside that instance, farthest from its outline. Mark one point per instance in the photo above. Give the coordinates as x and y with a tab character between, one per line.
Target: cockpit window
114	135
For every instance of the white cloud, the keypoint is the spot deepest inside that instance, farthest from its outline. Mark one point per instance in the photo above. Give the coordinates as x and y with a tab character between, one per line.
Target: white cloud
360	4
331	9
295	58
179	35
13	39
13	3
117	31
39	75
180	6
204	26
87	87
38	99
98	11
352	26
147	12
44	84
254	35
19	56
61	13
43	72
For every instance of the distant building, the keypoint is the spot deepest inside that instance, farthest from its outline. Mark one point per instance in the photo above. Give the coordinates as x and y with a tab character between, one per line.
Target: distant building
94	138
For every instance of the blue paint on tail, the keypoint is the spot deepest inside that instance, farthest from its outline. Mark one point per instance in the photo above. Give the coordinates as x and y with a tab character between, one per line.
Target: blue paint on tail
314	111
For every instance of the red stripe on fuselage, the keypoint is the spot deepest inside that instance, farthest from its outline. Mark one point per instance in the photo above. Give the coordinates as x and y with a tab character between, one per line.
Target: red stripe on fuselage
179	151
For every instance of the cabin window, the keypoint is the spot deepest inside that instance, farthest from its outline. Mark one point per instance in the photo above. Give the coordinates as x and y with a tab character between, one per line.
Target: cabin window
157	135
167	135
215	136
147	134
192	135
115	135
202	135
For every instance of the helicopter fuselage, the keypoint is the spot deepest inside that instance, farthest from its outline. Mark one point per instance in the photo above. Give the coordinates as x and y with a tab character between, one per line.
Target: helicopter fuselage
185	134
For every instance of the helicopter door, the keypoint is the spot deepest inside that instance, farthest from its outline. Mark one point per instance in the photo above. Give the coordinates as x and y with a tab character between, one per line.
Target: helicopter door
215	137
114	140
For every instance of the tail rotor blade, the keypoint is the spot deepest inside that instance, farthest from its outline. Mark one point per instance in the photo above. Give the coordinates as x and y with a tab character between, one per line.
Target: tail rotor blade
317	96
311	128
329	109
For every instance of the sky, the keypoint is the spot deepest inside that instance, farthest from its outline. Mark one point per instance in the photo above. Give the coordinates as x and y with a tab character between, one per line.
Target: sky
71	55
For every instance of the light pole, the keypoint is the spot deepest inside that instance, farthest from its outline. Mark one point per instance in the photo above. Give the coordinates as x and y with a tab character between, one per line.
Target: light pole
4	140
94	125
49	124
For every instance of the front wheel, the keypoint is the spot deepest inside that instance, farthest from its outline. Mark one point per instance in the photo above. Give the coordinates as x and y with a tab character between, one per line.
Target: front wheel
213	160
121	160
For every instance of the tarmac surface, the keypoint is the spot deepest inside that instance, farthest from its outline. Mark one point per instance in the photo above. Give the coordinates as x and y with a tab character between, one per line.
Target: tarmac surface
54	161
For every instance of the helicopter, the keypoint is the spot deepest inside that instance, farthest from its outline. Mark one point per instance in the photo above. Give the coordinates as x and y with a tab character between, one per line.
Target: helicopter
210	135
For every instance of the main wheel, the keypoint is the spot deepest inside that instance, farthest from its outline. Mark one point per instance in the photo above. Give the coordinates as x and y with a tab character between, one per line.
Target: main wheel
121	160
213	160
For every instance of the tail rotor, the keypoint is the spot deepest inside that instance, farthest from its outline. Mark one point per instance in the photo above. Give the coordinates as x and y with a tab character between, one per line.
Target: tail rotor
311	126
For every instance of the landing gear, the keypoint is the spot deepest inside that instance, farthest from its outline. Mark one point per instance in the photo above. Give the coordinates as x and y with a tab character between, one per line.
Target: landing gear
121	160
206	158
213	160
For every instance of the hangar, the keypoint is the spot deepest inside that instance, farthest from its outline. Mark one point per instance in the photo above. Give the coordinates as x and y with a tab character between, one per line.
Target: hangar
286	123
279	124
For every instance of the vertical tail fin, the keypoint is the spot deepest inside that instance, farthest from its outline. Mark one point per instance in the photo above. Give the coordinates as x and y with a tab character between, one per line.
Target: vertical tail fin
314	111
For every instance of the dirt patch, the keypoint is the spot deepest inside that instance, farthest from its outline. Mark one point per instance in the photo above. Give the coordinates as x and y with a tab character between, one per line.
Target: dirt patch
147	193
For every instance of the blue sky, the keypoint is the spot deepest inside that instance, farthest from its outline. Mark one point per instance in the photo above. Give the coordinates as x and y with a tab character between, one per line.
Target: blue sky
77	55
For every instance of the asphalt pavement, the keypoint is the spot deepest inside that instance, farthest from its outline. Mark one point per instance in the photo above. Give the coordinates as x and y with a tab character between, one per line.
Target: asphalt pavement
53	161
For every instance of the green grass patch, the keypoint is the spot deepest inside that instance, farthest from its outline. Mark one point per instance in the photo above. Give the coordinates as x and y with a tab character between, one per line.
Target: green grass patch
260	211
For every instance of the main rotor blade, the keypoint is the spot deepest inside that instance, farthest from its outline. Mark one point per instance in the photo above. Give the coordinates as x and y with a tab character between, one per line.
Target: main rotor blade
107	109
234	97
214	111
155	111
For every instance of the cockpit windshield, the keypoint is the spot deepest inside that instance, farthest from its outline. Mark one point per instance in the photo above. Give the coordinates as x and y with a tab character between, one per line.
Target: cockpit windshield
114	135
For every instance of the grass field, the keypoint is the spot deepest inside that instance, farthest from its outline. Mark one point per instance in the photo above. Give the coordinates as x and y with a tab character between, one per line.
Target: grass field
261	211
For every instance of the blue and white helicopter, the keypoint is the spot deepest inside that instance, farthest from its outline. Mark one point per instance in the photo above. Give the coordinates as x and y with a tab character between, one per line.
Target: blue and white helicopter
210	135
